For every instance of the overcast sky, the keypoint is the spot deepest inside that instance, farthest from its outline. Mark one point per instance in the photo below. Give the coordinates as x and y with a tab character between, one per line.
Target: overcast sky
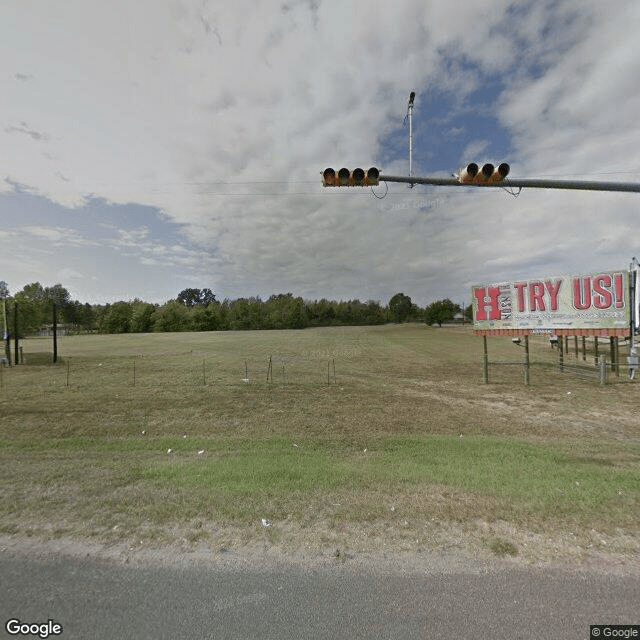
154	145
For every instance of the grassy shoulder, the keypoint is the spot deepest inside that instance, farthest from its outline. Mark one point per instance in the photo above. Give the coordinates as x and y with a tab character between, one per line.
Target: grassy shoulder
403	449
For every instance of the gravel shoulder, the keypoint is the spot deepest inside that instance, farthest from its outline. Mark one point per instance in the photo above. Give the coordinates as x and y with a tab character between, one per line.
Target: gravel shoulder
257	558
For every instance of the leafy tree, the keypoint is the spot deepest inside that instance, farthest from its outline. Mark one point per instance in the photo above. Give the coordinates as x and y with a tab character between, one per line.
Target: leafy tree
34	292
33	308
57	295
400	307
142	317
78	316
207	297
117	318
194	297
441	311
189	297
173	316
321	313
468	313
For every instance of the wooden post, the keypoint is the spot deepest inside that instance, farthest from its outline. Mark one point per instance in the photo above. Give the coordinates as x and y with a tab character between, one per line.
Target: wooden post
595	344
575	344
485	365
16	346
55	335
561	353
584	348
612	352
5	334
526	360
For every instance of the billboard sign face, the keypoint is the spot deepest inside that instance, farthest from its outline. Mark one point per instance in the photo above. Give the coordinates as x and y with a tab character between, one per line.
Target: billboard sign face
565	305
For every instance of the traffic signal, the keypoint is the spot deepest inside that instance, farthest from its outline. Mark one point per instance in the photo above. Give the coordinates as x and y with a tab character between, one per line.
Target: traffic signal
356	178
473	174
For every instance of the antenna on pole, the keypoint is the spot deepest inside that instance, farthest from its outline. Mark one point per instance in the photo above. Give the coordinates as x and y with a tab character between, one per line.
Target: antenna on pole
409	117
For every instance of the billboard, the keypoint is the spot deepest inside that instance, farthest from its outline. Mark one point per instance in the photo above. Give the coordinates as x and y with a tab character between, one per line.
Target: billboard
597	304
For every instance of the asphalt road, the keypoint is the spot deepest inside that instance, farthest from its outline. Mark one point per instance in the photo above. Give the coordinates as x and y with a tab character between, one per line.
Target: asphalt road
194	597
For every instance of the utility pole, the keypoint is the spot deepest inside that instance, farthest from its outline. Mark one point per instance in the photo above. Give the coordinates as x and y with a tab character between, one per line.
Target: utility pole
409	117
4	294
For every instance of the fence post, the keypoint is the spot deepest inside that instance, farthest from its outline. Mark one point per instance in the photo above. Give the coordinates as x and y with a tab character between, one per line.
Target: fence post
602	370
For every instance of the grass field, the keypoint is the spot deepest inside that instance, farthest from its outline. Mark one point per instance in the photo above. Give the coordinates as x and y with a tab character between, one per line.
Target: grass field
369	439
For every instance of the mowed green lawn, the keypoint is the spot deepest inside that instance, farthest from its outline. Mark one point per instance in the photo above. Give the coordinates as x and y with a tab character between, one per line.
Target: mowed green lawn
363	437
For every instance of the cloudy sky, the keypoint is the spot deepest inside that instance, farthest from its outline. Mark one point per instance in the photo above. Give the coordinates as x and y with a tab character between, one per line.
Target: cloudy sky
154	145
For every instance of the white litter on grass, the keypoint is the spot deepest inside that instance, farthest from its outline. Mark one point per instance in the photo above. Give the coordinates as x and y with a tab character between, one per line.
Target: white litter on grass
143	432
200	452
265	523
168	450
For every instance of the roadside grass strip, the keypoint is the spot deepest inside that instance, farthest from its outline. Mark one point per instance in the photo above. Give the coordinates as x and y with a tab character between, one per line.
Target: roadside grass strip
236	481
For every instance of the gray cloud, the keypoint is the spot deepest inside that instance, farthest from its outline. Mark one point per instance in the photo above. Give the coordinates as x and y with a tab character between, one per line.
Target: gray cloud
223	117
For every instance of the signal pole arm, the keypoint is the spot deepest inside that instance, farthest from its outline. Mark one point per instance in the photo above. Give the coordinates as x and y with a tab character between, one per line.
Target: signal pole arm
581	185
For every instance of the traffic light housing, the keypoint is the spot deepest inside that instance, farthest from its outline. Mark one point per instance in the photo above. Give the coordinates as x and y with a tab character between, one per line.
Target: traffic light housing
487	174
346	178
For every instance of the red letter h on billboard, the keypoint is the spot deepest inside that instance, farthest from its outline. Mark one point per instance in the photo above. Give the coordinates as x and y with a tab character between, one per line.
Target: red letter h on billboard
487	298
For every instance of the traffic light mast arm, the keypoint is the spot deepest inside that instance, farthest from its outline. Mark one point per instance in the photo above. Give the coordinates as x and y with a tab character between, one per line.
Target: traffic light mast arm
581	185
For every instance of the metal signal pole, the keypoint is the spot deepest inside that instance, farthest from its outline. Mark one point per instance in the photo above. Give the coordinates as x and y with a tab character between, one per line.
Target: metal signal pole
581	185
409	117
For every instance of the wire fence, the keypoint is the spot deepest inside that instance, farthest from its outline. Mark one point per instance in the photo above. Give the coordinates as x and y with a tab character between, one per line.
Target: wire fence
174	369
581	358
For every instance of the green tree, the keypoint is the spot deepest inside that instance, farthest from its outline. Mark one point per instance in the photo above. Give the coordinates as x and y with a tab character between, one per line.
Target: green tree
78	316
57	295
441	311
400	307
468	313
142	317
33	308
117	318
173	316
195	297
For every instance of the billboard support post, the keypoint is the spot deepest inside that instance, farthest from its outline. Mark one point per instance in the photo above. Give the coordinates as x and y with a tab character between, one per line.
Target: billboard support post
485	365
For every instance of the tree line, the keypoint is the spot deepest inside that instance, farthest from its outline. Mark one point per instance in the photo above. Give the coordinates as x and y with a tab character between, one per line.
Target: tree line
199	310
